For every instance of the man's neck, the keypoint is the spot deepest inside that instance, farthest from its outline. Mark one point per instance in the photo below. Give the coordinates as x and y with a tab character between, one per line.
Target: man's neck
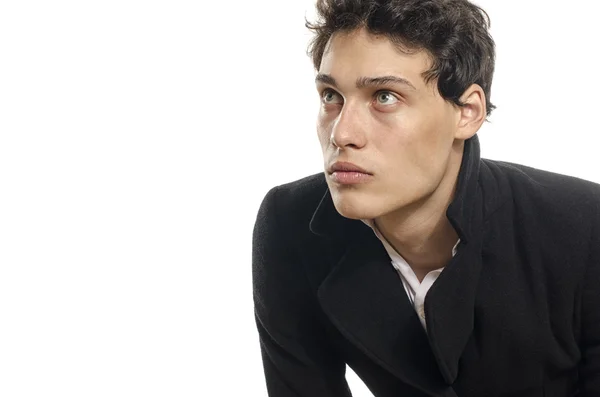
422	234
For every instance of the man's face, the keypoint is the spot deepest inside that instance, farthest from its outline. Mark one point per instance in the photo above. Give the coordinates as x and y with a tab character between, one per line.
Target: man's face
401	133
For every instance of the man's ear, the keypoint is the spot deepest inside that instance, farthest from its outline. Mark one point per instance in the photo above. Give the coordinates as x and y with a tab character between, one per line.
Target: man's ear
472	114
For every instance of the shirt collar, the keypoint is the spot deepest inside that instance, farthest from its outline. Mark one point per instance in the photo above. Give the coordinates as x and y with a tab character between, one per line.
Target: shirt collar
373	226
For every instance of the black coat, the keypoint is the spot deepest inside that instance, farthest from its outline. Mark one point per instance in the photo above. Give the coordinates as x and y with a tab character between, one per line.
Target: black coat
515	313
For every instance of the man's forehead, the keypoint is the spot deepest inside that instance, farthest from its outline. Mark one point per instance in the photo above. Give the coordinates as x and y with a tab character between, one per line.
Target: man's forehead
362	39
352	55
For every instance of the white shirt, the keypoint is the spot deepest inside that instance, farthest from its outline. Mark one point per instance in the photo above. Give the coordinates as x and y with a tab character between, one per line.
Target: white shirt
415	290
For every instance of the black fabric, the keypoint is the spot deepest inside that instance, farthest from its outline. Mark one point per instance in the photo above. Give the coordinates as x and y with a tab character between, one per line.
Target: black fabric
515	313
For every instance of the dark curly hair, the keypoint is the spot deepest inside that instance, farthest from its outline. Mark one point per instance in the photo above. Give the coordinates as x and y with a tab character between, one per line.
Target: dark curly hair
453	32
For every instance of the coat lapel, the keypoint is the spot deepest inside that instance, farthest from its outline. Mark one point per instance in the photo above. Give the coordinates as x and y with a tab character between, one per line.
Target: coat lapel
450	307
365	299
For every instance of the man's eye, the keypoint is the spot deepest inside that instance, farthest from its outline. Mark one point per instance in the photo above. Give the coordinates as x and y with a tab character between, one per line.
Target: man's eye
330	97
386	98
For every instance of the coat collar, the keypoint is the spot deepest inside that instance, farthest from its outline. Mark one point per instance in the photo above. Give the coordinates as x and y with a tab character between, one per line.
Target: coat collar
364	298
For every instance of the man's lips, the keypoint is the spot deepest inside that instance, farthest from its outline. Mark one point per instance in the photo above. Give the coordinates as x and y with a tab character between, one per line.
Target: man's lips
344	166
345	173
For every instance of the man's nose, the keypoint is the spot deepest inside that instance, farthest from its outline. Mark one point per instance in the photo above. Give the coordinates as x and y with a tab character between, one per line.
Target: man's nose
349	128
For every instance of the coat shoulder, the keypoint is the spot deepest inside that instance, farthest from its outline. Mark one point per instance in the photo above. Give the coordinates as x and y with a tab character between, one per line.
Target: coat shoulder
550	212
294	203
306	192
545	189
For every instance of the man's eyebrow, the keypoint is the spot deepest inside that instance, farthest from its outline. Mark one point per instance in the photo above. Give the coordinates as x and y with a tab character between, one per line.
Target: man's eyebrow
325	79
363	82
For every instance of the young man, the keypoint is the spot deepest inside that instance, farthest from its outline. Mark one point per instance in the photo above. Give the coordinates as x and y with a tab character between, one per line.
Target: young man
428	270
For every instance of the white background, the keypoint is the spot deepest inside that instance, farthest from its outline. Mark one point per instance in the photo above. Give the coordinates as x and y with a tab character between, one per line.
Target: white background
137	140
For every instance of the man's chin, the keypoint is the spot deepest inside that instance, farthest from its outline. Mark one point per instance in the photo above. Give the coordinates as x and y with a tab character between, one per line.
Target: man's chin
354	209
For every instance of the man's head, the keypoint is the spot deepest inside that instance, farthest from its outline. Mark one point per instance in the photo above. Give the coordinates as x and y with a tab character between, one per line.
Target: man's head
403	83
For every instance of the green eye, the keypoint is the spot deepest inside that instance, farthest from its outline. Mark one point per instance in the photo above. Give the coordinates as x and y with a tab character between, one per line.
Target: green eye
329	96
386	98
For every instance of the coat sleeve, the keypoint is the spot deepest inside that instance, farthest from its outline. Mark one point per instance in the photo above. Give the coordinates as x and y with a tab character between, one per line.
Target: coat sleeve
297	359
589	369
